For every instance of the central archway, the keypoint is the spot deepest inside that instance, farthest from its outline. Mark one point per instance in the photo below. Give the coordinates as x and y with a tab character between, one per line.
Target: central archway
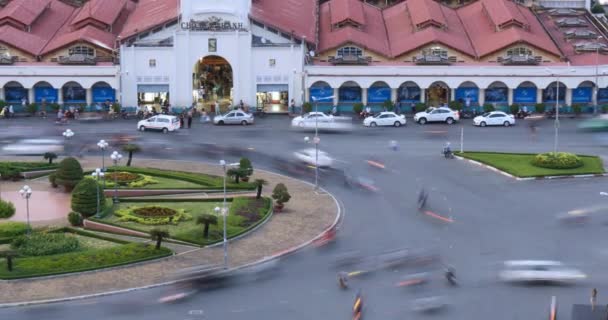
212	80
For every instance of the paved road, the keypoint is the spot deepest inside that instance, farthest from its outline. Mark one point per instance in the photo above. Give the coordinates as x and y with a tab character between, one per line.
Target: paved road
495	219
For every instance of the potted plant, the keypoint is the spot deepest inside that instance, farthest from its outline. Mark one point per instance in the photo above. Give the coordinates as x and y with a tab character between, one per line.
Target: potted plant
577	109
455	105
514	108
420	107
358	108
388	105
539	107
605	108
245	168
307	107
488	108
32	108
281	196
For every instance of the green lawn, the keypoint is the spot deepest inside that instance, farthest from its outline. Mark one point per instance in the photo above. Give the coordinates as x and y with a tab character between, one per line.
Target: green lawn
93	243
244	213
519	164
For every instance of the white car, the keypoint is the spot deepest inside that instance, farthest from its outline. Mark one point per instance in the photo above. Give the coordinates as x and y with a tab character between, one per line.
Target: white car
538	271
160	122
308	156
441	114
34	147
494	118
385	119
234	117
322	121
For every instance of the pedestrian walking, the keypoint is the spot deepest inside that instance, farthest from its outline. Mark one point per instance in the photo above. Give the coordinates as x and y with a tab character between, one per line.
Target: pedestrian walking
181	120
593	298
292	106
190	118
393	145
217	107
11	112
413	108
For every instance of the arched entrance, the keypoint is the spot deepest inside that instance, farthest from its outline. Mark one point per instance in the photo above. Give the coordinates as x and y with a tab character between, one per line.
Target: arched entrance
467	93
554	93
103	93
212	81
438	94
583	93
73	92
497	93
525	95
15	93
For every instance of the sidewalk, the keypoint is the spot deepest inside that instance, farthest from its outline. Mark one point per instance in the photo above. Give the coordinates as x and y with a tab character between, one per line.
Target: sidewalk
305	216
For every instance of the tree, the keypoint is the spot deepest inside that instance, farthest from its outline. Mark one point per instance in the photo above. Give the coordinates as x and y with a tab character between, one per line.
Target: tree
84	197
131	148
50	156
234	173
280	195
259	184
245	168
69	173
598	8
9	255
206	219
158	235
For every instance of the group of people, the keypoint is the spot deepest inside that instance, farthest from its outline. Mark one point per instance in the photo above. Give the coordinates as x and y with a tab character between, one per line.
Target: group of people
7	112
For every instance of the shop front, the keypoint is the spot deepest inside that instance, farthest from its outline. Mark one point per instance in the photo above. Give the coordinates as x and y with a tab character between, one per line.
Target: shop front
274	98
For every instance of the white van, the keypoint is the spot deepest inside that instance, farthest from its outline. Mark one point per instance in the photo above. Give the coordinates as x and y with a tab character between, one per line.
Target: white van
160	122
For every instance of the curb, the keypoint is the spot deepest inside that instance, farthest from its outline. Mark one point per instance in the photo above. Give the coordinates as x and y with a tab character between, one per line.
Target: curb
597	175
278	255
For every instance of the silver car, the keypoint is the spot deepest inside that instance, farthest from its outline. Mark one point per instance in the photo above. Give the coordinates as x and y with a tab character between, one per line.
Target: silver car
234	117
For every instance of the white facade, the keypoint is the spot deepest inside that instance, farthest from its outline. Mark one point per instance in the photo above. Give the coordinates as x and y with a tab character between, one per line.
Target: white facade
254	66
564	3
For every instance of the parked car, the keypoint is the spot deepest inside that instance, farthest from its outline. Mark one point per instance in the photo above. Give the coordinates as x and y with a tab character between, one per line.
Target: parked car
539	271
34	147
309	157
234	117
385	119
441	114
322	121
160	122
494	118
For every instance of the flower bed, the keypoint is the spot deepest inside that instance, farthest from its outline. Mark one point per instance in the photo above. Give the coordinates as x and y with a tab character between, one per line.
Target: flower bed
154	212
152	215
123	177
130	180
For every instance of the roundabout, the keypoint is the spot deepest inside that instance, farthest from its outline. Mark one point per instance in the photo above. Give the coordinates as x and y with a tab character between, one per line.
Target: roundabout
492	219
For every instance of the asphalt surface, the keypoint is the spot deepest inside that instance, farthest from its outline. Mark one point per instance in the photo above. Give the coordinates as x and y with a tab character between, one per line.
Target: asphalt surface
493	218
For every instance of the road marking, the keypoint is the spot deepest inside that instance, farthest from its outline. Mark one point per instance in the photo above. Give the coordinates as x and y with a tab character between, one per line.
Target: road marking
436	216
196	312
375	164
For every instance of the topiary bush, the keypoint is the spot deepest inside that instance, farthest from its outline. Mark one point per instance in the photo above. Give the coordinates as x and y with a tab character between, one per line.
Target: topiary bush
75	219
559	160
7	209
12	229
84	197
44	244
280	195
245	168
69	173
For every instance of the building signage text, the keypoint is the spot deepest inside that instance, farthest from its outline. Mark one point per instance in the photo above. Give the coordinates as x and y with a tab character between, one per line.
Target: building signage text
212	24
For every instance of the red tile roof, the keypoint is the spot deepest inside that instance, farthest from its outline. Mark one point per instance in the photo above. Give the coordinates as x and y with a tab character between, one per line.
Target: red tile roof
341	10
24	11
88	34
105	11
487	37
422	12
149	14
290	16
20	39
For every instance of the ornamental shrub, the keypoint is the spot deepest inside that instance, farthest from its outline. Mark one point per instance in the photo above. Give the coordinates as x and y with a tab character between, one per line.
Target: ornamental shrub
84	197
245	168
53	180
75	219
388	105
559	160
597	8
32	108
12	229
69	173
280	194
514	108
420	107
488	108
7	209
539	107
455	105
44	244
577	109
358	106
307	107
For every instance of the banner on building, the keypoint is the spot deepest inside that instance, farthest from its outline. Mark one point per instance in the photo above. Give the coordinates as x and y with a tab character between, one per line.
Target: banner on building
14	94
497	95
74	95
524	95
602	95
321	94
378	94
350	94
470	94
408	94
46	94
551	94
104	94
582	95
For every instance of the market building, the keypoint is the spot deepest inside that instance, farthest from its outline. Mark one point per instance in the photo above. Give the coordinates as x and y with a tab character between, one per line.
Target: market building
269	52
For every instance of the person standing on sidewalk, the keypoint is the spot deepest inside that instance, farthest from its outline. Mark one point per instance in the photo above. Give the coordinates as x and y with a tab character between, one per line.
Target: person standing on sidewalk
181	120
190	118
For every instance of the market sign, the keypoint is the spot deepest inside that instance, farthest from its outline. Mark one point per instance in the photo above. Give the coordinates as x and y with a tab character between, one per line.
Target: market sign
212	24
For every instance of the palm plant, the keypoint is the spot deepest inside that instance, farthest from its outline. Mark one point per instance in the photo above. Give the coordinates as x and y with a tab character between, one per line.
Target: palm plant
9	255
259	184
206	219
131	148
158	235
50	156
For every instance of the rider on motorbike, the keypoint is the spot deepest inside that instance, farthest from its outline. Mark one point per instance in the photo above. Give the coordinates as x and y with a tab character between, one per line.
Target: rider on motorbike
422	197
343	279
449	275
447	151
358	306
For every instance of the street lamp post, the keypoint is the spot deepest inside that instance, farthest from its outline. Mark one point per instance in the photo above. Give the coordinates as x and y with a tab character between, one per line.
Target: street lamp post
102	144
116	157
597	62
316	139
26	193
68	134
97	174
556	136
224	210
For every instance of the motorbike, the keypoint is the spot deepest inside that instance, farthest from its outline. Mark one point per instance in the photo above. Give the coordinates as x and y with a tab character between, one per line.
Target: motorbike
447	153
422	197
358	306
521	114
343	280
450	277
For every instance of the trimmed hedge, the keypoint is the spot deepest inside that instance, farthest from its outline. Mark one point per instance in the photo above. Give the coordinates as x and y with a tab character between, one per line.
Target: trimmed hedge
84	197
10	229
7	209
204	180
10	170
43	244
81	261
559	160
